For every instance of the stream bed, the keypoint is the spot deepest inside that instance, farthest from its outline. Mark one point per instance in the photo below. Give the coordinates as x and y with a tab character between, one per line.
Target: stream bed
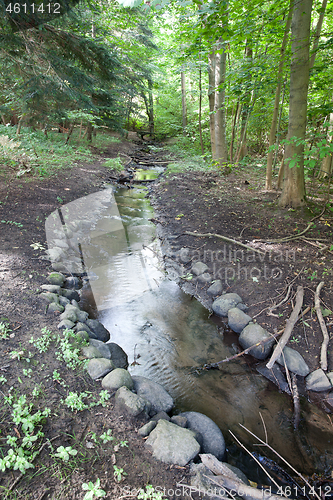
166	332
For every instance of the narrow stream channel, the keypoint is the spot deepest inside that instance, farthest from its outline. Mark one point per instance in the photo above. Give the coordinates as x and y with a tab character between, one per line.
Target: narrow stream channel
165	332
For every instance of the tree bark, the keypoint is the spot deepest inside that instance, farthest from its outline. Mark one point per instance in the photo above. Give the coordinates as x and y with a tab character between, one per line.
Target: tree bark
184	111
200	105
211	99
293	193
151	107
277	98
317	34
219	105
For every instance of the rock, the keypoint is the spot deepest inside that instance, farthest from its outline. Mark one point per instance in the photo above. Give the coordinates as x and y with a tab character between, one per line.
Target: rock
60	243
199	268
212	437
98	329
172	444
317	381
237	319
70	294
99	367
146	429
54	307
69	313
50	297
73	283
275	375
178	420
103	348
184	255
205	278
242	307
65	324
91	352
56	279
330	377
215	289
51	288
294	361
55	254
153	392
82	326
201	483
222	305
82	316
83	335
116	379
132	403
161	415
252	334
238	472
118	355
63	301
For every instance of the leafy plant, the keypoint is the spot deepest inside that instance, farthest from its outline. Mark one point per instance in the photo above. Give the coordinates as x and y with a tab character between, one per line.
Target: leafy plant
150	494
93	490
119	473
4	330
114	164
75	401
65	453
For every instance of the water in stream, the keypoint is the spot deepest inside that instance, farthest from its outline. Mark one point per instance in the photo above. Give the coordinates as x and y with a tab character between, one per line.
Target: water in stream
165	332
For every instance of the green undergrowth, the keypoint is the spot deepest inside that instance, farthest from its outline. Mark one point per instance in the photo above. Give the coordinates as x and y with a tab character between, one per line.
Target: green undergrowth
33	153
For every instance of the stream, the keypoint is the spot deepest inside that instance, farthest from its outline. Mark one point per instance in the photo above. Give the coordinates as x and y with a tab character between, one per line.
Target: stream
166	332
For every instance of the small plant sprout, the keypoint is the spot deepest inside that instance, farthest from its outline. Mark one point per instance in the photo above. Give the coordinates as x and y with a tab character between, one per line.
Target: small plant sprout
74	401
150	494
107	436
124	444
119	473
3	379
65	453
4	330
104	396
93	490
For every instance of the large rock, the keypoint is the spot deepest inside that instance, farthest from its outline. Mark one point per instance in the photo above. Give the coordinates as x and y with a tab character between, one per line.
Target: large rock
98	329
132	403
252	334
51	288
199	268
317	381
153	392
204	278
222	305
237	319
294	361
215	289
172	444
102	348
116	379
73	283
65	324
99	367
56	279
50	297
212	438
91	352
118	355
70	294
70	313
275	375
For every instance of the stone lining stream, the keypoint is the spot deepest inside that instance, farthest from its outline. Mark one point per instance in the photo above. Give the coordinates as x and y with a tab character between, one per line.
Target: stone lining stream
108	238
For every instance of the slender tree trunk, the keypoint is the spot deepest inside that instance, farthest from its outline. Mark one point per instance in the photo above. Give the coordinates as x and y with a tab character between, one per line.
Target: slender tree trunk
317	34
234	130
3	120
89	132
326	165
277	98
184	111
293	192
151	107
242	148
70	133
219	105
19	125
200	105
211	99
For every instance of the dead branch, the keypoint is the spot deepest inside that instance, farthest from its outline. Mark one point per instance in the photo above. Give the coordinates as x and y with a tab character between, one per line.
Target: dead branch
297	407
323	352
283	459
290	323
229	240
293	237
276	306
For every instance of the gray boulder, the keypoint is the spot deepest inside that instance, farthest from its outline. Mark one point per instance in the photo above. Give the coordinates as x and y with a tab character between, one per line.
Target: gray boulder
159	398
50	297
222	305
116	379
132	403
65	324
172	444
70	294
54	307
82	316
199	268
294	361
252	334
63	301
215	289
146	429
237	319
179	420
51	288
99	367
318	381
69	313
205	278
212	438
73	283
184	255
102	348
275	375
98	329
118	355
91	352
56	279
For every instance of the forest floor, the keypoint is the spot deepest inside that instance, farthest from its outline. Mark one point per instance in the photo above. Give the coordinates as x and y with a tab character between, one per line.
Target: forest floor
202	201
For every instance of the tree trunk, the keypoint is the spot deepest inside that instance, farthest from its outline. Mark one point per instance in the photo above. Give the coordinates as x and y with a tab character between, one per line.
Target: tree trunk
277	98
19	125
317	34
293	193
151	107
242	147
200	105
211	99
219	104
89	132
184	112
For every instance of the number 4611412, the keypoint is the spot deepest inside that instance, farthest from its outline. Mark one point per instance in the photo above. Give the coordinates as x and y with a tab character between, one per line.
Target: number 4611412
24	8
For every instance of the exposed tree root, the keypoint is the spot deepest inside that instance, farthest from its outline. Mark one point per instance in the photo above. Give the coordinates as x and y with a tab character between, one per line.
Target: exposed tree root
293	237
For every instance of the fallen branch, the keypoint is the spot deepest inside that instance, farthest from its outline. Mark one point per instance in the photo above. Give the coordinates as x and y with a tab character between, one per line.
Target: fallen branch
290	323
228	240
297	406
290	238
323	352
276	306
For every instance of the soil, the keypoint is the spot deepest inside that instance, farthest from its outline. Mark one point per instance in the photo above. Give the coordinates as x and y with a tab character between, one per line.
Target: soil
234	206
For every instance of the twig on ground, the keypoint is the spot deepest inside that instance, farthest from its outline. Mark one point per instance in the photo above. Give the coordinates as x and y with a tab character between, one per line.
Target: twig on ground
323	352
297	407
289	328
290	238
228	240
276	306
